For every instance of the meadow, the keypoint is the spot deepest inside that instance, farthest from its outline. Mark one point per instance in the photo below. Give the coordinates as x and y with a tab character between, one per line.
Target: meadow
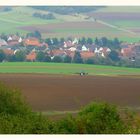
62	68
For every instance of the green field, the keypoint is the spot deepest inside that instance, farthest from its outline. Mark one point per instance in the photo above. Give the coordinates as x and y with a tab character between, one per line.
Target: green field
62	68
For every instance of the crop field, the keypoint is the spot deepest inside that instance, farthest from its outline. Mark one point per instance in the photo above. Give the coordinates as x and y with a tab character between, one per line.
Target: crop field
121	17
53	94
56	88
62	68
78	29
81	29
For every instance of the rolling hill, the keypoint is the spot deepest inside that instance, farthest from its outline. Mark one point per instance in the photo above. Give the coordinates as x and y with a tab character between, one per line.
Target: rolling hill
121	22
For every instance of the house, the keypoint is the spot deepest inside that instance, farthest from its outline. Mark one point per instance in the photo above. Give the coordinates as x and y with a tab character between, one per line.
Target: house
44	45
124	45
127	52
32	41
73	49
105	51
8	51
68	44
20	40
31	56
84	48
75	41
57	52
13	43
14	38
70	53
87	54
17	50
96	51
3	43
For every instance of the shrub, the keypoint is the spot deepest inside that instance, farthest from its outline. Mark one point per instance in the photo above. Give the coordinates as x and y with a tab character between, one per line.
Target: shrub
101	118
11	101
57	59
66	126
16	117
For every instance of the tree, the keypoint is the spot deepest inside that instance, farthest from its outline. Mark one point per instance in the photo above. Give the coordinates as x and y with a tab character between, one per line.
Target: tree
40	56
29	35
83	41
116	43
77	57
2	55
101	118
10	58
55	41
89	41
67	59
11	101
7	8
48	41
97	41
16	116
90	61
20	56
57	59
114	56
4	36
50	16
47	59
37	34
62	40
44	16
104	41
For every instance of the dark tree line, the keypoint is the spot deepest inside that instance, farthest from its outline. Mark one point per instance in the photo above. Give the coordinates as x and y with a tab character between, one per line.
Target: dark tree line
36	34
67	9
44	16
105	42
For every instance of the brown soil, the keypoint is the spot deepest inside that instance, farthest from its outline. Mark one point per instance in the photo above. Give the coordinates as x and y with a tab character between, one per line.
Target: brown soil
58	92
50	28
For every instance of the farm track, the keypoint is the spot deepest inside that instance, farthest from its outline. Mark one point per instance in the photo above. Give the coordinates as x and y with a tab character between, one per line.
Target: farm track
116	27
58	93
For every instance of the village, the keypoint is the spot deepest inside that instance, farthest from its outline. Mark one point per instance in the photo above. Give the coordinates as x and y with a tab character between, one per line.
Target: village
10	45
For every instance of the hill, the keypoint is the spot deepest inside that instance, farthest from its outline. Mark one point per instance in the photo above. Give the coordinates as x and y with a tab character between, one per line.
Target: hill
121	22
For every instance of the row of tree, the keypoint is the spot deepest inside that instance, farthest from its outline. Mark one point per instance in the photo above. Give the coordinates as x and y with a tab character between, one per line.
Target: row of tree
67	9
48	16
105	42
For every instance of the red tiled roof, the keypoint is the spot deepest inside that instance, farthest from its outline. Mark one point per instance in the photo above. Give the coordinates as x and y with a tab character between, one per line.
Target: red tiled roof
32	42
57	52
13	42
70	53
68	44
8	51
126	52
86	54
14	37
31	56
